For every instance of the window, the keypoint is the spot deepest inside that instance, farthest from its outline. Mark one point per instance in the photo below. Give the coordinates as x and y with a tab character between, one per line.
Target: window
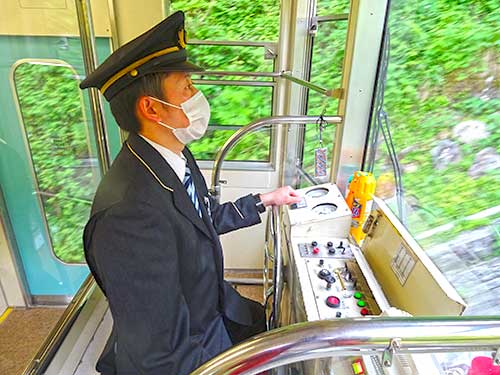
248	23
440	103
65	170
326	71
233	107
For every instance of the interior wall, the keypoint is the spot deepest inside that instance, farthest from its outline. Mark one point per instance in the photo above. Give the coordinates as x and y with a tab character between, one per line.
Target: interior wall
244	248
50	18
130	22
10	284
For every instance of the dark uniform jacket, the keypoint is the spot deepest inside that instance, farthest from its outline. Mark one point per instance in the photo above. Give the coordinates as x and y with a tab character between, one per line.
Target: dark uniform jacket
160	266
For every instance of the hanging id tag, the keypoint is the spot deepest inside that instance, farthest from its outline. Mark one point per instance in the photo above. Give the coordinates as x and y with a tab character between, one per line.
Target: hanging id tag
320	162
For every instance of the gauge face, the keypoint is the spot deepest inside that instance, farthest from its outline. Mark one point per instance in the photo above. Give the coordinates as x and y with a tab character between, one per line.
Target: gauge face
324	209
316	193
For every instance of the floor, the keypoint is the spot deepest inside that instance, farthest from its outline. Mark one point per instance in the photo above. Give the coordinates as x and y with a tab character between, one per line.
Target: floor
27	328
21	334
255	292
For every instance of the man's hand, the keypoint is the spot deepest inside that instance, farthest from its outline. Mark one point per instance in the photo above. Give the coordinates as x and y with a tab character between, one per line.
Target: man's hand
281	196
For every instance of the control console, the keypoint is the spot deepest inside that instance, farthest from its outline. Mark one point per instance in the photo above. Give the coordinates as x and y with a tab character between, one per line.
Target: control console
325	264
338	248
339	289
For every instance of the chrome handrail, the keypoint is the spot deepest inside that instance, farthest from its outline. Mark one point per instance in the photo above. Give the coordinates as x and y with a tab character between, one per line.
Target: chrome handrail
327	338
277	268
267	258
254	126
335	93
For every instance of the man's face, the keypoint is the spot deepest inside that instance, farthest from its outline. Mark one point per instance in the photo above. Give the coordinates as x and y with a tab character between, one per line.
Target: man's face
177	88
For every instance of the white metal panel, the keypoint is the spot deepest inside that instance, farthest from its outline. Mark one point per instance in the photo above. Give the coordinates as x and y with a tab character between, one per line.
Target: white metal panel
244	248
366	22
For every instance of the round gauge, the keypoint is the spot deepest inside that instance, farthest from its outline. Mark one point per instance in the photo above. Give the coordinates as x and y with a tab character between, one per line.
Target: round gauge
316	193
324	209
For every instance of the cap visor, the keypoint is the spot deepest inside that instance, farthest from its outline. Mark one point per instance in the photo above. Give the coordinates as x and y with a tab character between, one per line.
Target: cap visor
181	66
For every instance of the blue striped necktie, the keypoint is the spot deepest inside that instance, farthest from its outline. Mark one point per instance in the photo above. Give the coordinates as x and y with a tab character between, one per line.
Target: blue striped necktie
191	190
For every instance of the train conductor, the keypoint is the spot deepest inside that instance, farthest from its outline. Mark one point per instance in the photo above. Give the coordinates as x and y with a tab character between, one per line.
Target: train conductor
152	238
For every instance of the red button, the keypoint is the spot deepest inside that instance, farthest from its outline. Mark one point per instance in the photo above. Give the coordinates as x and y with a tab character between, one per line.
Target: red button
333	301
315	250
364	311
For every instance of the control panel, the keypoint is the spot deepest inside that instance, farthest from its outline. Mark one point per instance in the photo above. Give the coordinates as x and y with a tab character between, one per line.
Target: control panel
325	263
339	289
322	211
334	248
328	277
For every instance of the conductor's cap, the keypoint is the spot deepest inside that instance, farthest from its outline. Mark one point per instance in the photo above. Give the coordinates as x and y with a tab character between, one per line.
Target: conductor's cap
160	49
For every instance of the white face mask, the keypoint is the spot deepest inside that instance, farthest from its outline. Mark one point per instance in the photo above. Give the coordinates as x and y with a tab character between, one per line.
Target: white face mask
197	110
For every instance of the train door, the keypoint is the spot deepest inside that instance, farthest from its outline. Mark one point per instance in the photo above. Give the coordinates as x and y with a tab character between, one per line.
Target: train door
48	162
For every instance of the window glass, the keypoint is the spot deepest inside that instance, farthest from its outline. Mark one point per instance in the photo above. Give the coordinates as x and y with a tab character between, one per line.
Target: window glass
230	19
241	21
231	58
441	104
326	72
330	8
233	107
59	143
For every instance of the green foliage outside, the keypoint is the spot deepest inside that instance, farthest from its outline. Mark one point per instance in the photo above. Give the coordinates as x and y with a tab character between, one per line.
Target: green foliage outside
235	20
443	70
326	72
51	109
442	55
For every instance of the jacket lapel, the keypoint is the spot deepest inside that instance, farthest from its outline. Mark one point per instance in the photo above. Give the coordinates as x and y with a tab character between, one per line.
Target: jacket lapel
163	174
201	189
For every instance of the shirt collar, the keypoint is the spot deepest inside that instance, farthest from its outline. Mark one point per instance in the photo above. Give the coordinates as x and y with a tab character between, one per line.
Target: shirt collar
176	162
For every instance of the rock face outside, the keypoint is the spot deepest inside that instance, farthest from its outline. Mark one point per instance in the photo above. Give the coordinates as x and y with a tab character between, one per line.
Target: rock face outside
470	131
446	152
486	160
471	266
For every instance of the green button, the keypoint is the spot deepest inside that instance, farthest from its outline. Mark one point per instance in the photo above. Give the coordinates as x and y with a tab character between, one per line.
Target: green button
357	295
361	303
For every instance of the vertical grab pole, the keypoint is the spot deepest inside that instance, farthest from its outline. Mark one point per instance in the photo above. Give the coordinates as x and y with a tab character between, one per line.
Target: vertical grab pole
85	24
277	269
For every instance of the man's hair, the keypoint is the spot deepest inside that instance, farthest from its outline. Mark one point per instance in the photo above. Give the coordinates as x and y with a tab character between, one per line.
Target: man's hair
123	104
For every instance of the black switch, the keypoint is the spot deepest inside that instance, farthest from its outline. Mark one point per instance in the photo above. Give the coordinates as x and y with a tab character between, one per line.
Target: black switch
341	247
324	273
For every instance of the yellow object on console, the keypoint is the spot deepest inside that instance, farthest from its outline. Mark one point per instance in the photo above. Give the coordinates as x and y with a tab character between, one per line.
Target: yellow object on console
359	200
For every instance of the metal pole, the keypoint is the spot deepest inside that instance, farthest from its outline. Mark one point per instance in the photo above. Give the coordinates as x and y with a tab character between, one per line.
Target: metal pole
229	43
335	93
236	73
259	124
85	24
230	82
277	269
327	338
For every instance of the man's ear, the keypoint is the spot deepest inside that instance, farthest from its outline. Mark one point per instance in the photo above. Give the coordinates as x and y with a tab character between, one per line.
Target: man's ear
148	109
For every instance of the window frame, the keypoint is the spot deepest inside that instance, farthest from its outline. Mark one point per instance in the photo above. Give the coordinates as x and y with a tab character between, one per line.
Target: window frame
25	140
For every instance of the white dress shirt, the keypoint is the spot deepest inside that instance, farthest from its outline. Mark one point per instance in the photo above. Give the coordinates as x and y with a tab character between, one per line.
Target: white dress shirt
176	162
